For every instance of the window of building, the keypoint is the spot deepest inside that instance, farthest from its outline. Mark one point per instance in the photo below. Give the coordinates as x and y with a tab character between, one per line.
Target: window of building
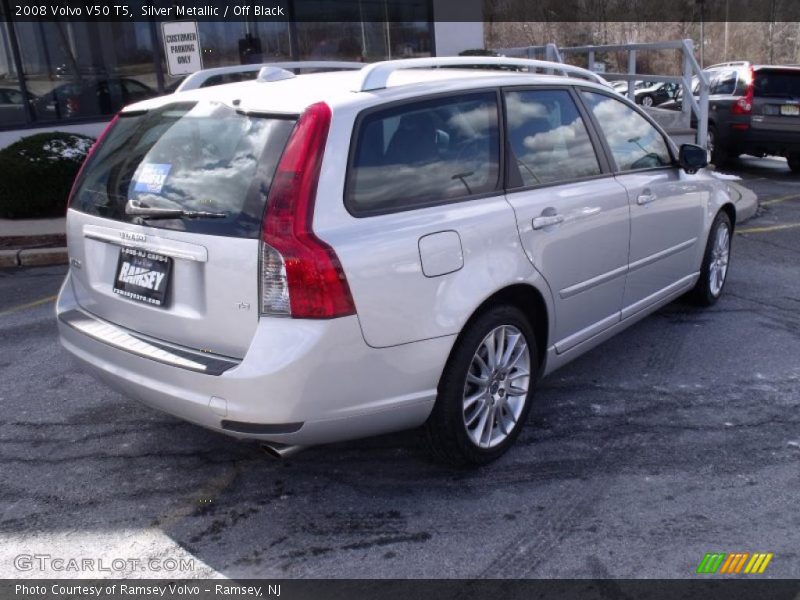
226	43
634	142
12	101
547	139
87	71
369	31
76	70
425	153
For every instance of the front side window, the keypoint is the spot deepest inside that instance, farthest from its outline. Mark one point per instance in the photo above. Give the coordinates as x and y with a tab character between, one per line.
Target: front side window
634	142
425	153
547	139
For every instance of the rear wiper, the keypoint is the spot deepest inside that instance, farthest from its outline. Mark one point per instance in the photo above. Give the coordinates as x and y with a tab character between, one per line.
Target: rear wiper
139	209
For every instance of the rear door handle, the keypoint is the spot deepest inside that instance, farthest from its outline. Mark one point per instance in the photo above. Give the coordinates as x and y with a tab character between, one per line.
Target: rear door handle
546	221
645	198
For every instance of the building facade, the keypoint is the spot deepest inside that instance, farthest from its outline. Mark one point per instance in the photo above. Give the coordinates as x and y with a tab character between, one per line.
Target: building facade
71	76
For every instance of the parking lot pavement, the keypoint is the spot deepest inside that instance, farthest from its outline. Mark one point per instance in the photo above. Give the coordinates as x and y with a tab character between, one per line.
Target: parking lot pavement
679	437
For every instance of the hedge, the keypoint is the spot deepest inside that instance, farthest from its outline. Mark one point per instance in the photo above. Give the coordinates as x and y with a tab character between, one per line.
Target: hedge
36	174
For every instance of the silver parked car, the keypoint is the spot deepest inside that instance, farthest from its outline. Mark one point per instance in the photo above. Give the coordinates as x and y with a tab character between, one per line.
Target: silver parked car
304	259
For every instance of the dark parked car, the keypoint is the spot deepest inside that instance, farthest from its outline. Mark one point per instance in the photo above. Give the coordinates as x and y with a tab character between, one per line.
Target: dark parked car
12	105
648	93
91	97
752	109
656	94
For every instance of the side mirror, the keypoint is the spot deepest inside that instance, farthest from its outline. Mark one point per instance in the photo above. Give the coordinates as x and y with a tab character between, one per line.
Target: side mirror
692	158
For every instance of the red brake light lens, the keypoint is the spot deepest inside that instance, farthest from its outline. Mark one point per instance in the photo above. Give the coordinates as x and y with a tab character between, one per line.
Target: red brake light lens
301	274
744	105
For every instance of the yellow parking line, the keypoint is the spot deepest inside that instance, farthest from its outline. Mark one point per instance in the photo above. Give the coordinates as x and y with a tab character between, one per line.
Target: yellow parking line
28	305
780	199
768	229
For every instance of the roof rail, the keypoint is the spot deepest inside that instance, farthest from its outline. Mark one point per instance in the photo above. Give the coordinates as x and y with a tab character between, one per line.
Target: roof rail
376	75
197	79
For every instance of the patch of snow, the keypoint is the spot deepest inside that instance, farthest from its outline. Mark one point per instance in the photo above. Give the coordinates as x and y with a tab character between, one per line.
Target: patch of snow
719	175
74	148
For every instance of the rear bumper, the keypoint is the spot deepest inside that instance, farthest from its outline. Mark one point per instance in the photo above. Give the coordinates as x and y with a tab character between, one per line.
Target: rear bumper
755	140
302	382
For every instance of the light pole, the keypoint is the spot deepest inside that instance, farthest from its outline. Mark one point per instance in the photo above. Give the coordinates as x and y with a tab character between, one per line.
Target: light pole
702	4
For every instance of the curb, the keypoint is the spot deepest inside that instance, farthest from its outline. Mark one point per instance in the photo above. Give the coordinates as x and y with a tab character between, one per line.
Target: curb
33	257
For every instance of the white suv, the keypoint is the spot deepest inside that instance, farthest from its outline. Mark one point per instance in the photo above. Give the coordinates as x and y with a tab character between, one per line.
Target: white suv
303	259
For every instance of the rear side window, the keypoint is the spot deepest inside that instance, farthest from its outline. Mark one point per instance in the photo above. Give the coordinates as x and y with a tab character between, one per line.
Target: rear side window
774	83
424	153
724	83
634	142
199	157
547	139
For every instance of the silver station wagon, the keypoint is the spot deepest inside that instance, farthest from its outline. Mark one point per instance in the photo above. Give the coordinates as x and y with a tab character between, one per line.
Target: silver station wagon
304	259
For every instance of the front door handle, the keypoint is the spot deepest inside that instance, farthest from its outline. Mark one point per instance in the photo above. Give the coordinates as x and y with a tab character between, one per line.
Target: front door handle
645	198
547	220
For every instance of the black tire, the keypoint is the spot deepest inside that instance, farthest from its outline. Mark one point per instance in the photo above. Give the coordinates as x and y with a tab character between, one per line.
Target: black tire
445	431
719	154
794	162
647	100
703	293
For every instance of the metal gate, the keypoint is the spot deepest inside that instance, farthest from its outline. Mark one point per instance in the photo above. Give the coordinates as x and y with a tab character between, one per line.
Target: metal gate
690	70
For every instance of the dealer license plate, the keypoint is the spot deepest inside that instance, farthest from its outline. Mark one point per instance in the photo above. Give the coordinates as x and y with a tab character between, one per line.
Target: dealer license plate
143	276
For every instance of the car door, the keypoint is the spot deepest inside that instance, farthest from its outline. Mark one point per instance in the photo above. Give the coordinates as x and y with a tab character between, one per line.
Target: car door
572	215
666	207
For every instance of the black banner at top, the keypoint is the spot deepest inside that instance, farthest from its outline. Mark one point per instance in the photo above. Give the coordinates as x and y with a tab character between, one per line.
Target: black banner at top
402	10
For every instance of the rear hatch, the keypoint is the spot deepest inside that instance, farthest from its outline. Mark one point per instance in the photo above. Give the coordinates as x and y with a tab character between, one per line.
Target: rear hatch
165	220
776	98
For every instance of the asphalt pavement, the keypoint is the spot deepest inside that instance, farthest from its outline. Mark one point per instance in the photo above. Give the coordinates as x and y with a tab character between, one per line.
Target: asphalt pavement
680	436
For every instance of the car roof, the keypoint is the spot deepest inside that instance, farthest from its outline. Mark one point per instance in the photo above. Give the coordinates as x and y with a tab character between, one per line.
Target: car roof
737	65
294	94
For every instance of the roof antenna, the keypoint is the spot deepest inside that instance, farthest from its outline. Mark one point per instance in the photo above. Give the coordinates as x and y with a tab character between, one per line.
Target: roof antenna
274	74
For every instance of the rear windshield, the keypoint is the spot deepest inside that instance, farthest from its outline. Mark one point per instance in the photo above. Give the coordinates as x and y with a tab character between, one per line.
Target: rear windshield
199	157
773	83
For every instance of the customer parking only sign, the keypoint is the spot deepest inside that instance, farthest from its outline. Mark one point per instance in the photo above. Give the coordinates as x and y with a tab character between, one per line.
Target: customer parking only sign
182	47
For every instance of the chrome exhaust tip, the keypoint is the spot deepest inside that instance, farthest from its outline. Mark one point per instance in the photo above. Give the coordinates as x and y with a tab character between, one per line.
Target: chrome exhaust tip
280	451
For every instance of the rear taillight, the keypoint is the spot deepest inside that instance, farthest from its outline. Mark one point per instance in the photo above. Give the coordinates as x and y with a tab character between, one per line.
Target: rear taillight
88	158
744	105
301	275
73	106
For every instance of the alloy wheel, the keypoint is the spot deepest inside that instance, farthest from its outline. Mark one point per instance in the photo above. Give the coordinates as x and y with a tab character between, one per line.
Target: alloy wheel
720	254
496	386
